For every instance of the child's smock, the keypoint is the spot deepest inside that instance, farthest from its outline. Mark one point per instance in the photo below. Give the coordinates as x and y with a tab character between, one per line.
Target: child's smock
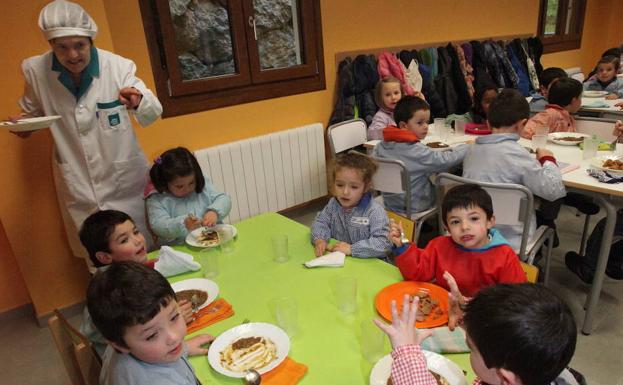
556	118
365	227
167	213
615	87
381	119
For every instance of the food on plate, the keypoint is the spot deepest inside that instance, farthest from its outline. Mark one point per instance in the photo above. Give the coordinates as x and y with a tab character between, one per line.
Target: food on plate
437	145
248	353
441	380
614	164
571	138
200	299
427	307
208	237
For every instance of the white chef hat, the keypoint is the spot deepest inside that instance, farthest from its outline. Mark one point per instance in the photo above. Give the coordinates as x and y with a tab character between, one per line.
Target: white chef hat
62	18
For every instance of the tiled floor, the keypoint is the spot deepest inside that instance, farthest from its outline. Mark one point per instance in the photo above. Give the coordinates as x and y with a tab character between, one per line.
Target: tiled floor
28	355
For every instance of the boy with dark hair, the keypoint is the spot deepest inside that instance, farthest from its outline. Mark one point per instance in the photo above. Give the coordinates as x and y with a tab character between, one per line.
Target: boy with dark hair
135	309
565	99
520	334
539	100
498	158
475	253
404	143
111	236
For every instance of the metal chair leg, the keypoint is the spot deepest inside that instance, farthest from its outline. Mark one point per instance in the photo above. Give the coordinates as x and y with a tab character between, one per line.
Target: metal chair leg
584	235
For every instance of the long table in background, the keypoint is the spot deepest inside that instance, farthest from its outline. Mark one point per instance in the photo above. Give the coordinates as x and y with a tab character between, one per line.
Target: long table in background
328	341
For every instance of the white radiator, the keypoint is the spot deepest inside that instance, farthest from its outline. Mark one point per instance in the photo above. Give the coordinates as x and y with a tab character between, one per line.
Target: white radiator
270	172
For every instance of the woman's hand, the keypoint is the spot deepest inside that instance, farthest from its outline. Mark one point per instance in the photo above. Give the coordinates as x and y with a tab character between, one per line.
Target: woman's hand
402	330
194	345
15	118
320	245
130	97
341	246
209	218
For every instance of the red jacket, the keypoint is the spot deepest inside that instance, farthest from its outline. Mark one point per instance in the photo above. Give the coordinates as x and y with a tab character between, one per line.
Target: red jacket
472	270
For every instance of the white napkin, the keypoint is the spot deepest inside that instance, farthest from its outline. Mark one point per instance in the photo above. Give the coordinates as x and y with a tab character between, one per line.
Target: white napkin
172	262
334	259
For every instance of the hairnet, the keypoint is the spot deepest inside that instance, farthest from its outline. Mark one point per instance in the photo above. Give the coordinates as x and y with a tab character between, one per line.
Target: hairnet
62	18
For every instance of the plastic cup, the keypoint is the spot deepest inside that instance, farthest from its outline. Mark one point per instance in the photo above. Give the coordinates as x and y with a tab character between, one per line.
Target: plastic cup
539	141
590	147
345	291
459	126
618	150
285	310
439	125
208	258
372	341
280	248
226	239
541	130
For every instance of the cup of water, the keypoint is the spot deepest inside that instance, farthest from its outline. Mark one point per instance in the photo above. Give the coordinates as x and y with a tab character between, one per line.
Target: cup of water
345	291
539	141
590	147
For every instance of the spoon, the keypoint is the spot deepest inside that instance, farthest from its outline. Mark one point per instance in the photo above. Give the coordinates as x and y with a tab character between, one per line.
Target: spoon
252	377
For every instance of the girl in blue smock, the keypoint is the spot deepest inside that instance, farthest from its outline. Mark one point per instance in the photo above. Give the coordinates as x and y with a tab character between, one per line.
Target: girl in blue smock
184	199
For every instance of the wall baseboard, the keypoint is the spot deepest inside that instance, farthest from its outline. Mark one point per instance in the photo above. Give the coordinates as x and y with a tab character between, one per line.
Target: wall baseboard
67	311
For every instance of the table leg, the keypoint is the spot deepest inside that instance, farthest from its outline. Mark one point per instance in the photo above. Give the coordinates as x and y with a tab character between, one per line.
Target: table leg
600	270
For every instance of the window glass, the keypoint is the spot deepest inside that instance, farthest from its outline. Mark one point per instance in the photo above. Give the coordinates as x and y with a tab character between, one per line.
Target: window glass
277	33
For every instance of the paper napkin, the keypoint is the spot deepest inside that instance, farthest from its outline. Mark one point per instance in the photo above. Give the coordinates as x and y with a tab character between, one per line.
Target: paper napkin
214	312
334	259
172	262
289	372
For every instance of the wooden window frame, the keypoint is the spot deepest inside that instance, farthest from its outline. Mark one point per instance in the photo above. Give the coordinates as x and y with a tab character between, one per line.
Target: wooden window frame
249	84
561	41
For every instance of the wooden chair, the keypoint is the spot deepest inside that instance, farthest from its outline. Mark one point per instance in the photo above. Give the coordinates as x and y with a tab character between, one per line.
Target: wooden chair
82	362
347	135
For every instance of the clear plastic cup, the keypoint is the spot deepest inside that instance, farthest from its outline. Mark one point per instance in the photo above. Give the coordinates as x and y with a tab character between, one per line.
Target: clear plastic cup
280	248
345	291
209	260
590	147
226	239
285	310
539	141
372	341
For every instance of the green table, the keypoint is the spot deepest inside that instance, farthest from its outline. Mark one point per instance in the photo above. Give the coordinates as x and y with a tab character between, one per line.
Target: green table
327	341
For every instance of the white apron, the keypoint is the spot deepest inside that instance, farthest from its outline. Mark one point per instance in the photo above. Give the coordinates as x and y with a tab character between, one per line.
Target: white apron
97	163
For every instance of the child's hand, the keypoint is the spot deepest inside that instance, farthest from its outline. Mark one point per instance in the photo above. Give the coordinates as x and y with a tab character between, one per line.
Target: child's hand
541	152
618	126
209	218
611	96
192	222
320	245
341	246
402	330
186	310
457	302
395	232
194	344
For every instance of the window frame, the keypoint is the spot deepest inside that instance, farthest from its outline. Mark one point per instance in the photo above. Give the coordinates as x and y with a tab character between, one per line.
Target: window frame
561	41
250	84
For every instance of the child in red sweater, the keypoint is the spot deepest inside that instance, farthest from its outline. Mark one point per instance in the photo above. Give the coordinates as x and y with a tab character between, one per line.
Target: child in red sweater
475	253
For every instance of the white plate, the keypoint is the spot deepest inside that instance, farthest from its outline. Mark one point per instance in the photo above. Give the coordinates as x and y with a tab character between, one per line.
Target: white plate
191	238
555	137
438	148
254	329
598	161
31	124
435	362
198	284
594	94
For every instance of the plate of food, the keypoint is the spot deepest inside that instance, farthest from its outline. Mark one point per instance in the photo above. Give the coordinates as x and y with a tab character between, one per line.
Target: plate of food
204	290
257	345
433	306
594	94
207	236
438	146
30	124
611	163
445	371
567	138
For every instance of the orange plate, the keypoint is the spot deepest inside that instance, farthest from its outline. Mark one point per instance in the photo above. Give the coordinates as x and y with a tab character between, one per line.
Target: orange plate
397	291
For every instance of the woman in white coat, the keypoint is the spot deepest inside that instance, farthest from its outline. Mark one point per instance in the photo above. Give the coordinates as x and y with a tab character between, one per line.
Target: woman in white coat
97	163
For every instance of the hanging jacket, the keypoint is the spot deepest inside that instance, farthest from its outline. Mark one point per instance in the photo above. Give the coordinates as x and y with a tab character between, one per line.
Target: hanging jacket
467	50
437	108
522	57
534	77
411	69
523	84
536	51
389	65
434	66
494	66
479	64
464	100
344	108
365	79
466	69
510	76
443	81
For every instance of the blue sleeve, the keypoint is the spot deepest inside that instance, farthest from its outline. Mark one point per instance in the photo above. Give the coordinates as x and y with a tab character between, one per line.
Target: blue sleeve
378	244
219	202
321	228
428	161
161	221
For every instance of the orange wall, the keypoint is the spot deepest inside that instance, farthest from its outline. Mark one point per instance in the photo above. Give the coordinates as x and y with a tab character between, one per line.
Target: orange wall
28	208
